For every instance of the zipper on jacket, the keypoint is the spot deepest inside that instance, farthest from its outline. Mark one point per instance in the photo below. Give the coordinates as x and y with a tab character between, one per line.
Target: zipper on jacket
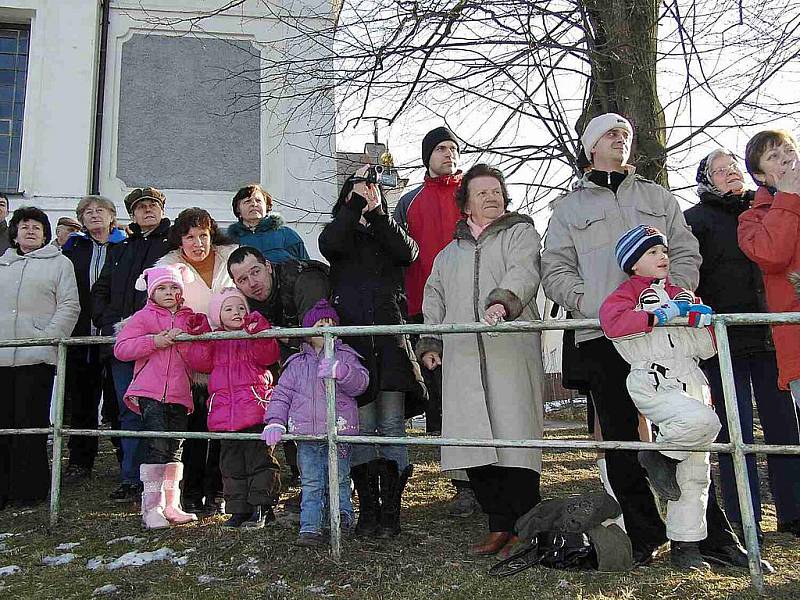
169	361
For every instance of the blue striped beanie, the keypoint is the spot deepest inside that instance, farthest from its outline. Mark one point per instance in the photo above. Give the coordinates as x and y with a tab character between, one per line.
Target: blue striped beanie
634	243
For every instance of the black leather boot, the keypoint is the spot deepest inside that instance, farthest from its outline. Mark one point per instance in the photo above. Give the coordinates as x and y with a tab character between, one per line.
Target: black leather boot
392	485
365	479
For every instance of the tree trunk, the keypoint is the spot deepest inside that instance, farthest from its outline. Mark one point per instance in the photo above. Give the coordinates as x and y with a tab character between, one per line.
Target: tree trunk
623	56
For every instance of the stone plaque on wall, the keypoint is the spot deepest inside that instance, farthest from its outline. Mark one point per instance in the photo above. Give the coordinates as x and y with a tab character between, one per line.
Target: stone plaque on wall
185	120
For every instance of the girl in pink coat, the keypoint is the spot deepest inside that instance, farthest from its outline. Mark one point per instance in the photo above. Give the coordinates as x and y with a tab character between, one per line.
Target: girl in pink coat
160	389
239	388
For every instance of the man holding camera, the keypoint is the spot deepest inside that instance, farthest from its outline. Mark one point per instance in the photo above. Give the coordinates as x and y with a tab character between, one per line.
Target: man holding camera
429	214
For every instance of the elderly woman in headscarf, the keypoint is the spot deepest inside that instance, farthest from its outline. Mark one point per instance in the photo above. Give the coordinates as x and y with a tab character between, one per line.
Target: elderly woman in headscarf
492	385
731	283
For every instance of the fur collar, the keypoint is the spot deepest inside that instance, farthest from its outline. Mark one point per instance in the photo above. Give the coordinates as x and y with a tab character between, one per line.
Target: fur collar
502	223
269	223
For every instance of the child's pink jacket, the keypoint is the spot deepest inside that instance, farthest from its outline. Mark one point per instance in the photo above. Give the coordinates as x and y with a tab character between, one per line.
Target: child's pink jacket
160	374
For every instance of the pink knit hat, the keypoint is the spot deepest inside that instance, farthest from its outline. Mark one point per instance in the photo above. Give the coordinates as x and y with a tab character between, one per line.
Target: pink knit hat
217	300
179	274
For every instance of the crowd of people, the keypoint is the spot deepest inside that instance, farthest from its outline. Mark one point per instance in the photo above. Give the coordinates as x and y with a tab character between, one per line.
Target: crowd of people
618	248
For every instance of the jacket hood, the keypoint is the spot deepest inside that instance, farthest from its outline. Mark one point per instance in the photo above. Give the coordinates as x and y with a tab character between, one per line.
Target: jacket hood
735	203
269	223
115	237
47	251
502	223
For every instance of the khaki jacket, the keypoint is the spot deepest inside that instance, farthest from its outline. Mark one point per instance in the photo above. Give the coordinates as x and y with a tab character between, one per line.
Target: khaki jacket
579	267
492	386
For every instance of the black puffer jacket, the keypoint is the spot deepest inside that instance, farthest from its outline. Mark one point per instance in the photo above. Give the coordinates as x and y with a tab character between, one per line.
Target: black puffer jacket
729	281
113	296
367	289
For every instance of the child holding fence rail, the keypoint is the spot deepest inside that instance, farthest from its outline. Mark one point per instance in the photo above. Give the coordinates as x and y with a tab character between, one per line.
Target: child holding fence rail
240	386
299	403
160	389
665	382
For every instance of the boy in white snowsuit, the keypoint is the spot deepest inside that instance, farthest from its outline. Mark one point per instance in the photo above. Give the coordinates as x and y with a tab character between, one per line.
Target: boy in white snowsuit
665	382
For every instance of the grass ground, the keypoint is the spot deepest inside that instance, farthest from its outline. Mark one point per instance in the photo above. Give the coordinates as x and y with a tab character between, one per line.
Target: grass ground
427	561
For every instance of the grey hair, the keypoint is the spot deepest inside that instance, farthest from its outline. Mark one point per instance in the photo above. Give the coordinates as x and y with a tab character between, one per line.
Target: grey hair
102	201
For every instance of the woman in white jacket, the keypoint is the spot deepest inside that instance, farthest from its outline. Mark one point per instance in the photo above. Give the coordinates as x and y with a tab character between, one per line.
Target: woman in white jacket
38	299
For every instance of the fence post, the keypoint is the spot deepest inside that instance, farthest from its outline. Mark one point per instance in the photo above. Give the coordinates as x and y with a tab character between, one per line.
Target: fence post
333	457
739	458
58	421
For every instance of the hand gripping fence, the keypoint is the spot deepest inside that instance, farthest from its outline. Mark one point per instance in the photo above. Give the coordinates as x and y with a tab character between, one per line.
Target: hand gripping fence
737	448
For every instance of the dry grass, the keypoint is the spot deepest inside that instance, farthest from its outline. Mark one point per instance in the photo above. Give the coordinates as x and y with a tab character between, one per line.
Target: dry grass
427	561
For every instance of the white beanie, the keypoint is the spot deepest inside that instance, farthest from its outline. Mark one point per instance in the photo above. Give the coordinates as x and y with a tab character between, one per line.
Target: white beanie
598	127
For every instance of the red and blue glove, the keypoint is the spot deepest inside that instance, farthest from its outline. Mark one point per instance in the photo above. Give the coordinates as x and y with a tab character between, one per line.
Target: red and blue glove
669	310
332	369
273	433
699	315
197	324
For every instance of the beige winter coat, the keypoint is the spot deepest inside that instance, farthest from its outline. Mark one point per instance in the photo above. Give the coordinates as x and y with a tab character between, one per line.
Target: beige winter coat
38	299
492	385
579	267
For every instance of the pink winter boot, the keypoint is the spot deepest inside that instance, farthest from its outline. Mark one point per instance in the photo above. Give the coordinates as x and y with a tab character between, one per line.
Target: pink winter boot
173	474
153	497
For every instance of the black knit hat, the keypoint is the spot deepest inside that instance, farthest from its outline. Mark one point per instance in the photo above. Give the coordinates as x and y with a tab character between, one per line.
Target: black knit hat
432	139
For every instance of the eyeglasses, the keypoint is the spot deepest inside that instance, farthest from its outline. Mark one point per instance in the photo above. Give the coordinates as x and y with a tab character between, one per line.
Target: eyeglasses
724	170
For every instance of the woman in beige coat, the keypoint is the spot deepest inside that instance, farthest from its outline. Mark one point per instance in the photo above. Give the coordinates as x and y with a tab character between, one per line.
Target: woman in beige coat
492	383
38	299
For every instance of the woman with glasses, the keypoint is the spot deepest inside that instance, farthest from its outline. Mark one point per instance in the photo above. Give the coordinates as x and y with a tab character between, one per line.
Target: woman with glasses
731	283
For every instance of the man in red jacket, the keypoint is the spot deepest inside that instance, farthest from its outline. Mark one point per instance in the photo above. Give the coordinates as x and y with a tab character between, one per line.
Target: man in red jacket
429	214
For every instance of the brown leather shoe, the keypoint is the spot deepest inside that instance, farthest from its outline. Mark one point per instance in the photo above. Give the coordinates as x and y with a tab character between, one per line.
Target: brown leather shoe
509	548
491	544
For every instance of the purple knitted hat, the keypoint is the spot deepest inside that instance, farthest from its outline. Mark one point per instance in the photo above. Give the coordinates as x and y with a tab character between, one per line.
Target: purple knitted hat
321	310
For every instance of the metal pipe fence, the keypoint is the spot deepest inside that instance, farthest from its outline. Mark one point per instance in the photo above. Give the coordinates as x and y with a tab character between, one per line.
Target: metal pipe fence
736	447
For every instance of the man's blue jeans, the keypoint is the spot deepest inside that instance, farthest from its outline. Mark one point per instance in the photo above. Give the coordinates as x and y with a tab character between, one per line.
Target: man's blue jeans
133	449
312	458
383	416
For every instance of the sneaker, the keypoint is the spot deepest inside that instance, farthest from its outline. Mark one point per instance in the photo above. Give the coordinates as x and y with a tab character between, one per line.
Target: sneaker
126	492
76	473
661	473
212	507
644	556
733	555
463	504
259	518
686	555
236	520
310	539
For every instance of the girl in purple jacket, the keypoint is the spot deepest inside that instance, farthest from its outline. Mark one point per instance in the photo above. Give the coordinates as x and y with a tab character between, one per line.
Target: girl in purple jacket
299	403
239	389
160	389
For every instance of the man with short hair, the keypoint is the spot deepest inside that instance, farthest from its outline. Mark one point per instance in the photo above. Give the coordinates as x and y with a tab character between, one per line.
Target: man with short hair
4	241
579	270
429	214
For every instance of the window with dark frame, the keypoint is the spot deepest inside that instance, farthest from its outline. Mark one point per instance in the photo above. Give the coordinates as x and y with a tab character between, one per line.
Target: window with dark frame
14	45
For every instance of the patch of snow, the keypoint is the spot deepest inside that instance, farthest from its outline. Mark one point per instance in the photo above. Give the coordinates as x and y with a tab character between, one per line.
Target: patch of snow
204	579
563	584
61	559
138	559
95	563
68	546
181	561
128	538
105	589
249	567
5	536
9	570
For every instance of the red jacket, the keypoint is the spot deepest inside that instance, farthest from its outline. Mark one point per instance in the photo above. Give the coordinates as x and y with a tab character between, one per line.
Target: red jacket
240	384
769	234
429	214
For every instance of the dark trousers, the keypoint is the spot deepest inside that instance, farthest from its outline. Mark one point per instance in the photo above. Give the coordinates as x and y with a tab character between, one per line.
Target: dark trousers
162	416
201	475
250	474
778	416
619	421
86	382
24	466
504	493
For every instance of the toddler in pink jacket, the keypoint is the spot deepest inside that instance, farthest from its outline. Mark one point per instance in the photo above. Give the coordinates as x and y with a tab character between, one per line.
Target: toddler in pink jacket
666	383
239	387
160	389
